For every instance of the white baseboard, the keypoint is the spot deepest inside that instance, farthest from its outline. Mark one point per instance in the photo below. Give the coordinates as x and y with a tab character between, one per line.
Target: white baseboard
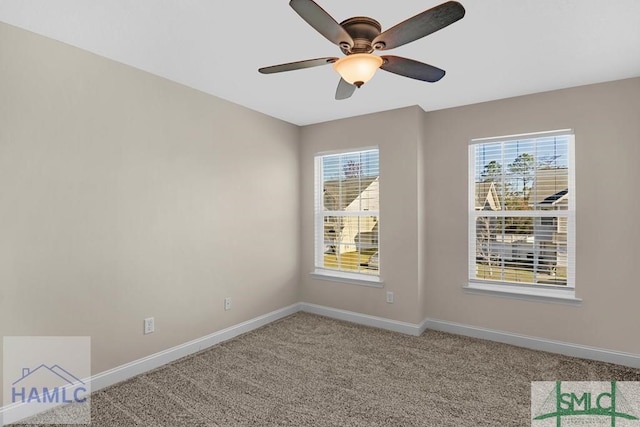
365	319
535	343
542	344
14	413
146	364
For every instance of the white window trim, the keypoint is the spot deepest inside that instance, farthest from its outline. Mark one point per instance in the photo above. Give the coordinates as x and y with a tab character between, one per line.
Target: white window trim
525	292
346	277
329	274
547	293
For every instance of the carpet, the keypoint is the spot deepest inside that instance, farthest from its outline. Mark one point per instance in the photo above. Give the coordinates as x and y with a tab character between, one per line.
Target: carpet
308	370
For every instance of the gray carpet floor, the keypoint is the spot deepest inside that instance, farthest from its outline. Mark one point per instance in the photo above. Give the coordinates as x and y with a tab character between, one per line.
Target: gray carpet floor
308	370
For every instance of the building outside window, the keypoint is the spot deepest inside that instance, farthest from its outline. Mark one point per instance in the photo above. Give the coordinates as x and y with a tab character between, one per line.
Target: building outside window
521	214
347	214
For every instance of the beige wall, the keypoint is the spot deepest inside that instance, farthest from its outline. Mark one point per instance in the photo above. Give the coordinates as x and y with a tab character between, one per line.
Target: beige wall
606	121
124	196
397	134
430	216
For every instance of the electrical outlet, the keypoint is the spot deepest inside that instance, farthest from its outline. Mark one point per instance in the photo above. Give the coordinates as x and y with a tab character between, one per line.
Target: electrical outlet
390	297
149	325
227	303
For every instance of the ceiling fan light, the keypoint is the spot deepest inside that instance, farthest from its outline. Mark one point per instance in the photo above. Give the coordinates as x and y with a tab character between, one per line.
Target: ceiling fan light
358	68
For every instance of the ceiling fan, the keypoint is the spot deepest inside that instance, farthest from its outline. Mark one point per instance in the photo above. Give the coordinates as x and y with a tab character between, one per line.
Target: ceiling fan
358	37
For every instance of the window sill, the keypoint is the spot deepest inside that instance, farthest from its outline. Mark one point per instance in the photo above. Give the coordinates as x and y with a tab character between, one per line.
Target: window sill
350	278
529	293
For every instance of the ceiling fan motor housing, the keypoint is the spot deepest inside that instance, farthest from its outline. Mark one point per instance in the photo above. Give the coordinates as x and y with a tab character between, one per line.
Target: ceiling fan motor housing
363	31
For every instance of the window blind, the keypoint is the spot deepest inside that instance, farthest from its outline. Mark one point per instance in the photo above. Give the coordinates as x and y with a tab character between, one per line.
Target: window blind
521	221
347	211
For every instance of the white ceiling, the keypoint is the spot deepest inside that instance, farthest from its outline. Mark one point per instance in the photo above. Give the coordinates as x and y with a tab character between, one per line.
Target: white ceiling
500	49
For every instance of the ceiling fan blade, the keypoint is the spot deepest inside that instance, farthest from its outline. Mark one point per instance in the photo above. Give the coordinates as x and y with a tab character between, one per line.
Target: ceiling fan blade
420	25
297	65
413	69
319	19
345	89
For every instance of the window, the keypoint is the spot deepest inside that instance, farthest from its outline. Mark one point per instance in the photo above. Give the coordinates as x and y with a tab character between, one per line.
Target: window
347	215
521	214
